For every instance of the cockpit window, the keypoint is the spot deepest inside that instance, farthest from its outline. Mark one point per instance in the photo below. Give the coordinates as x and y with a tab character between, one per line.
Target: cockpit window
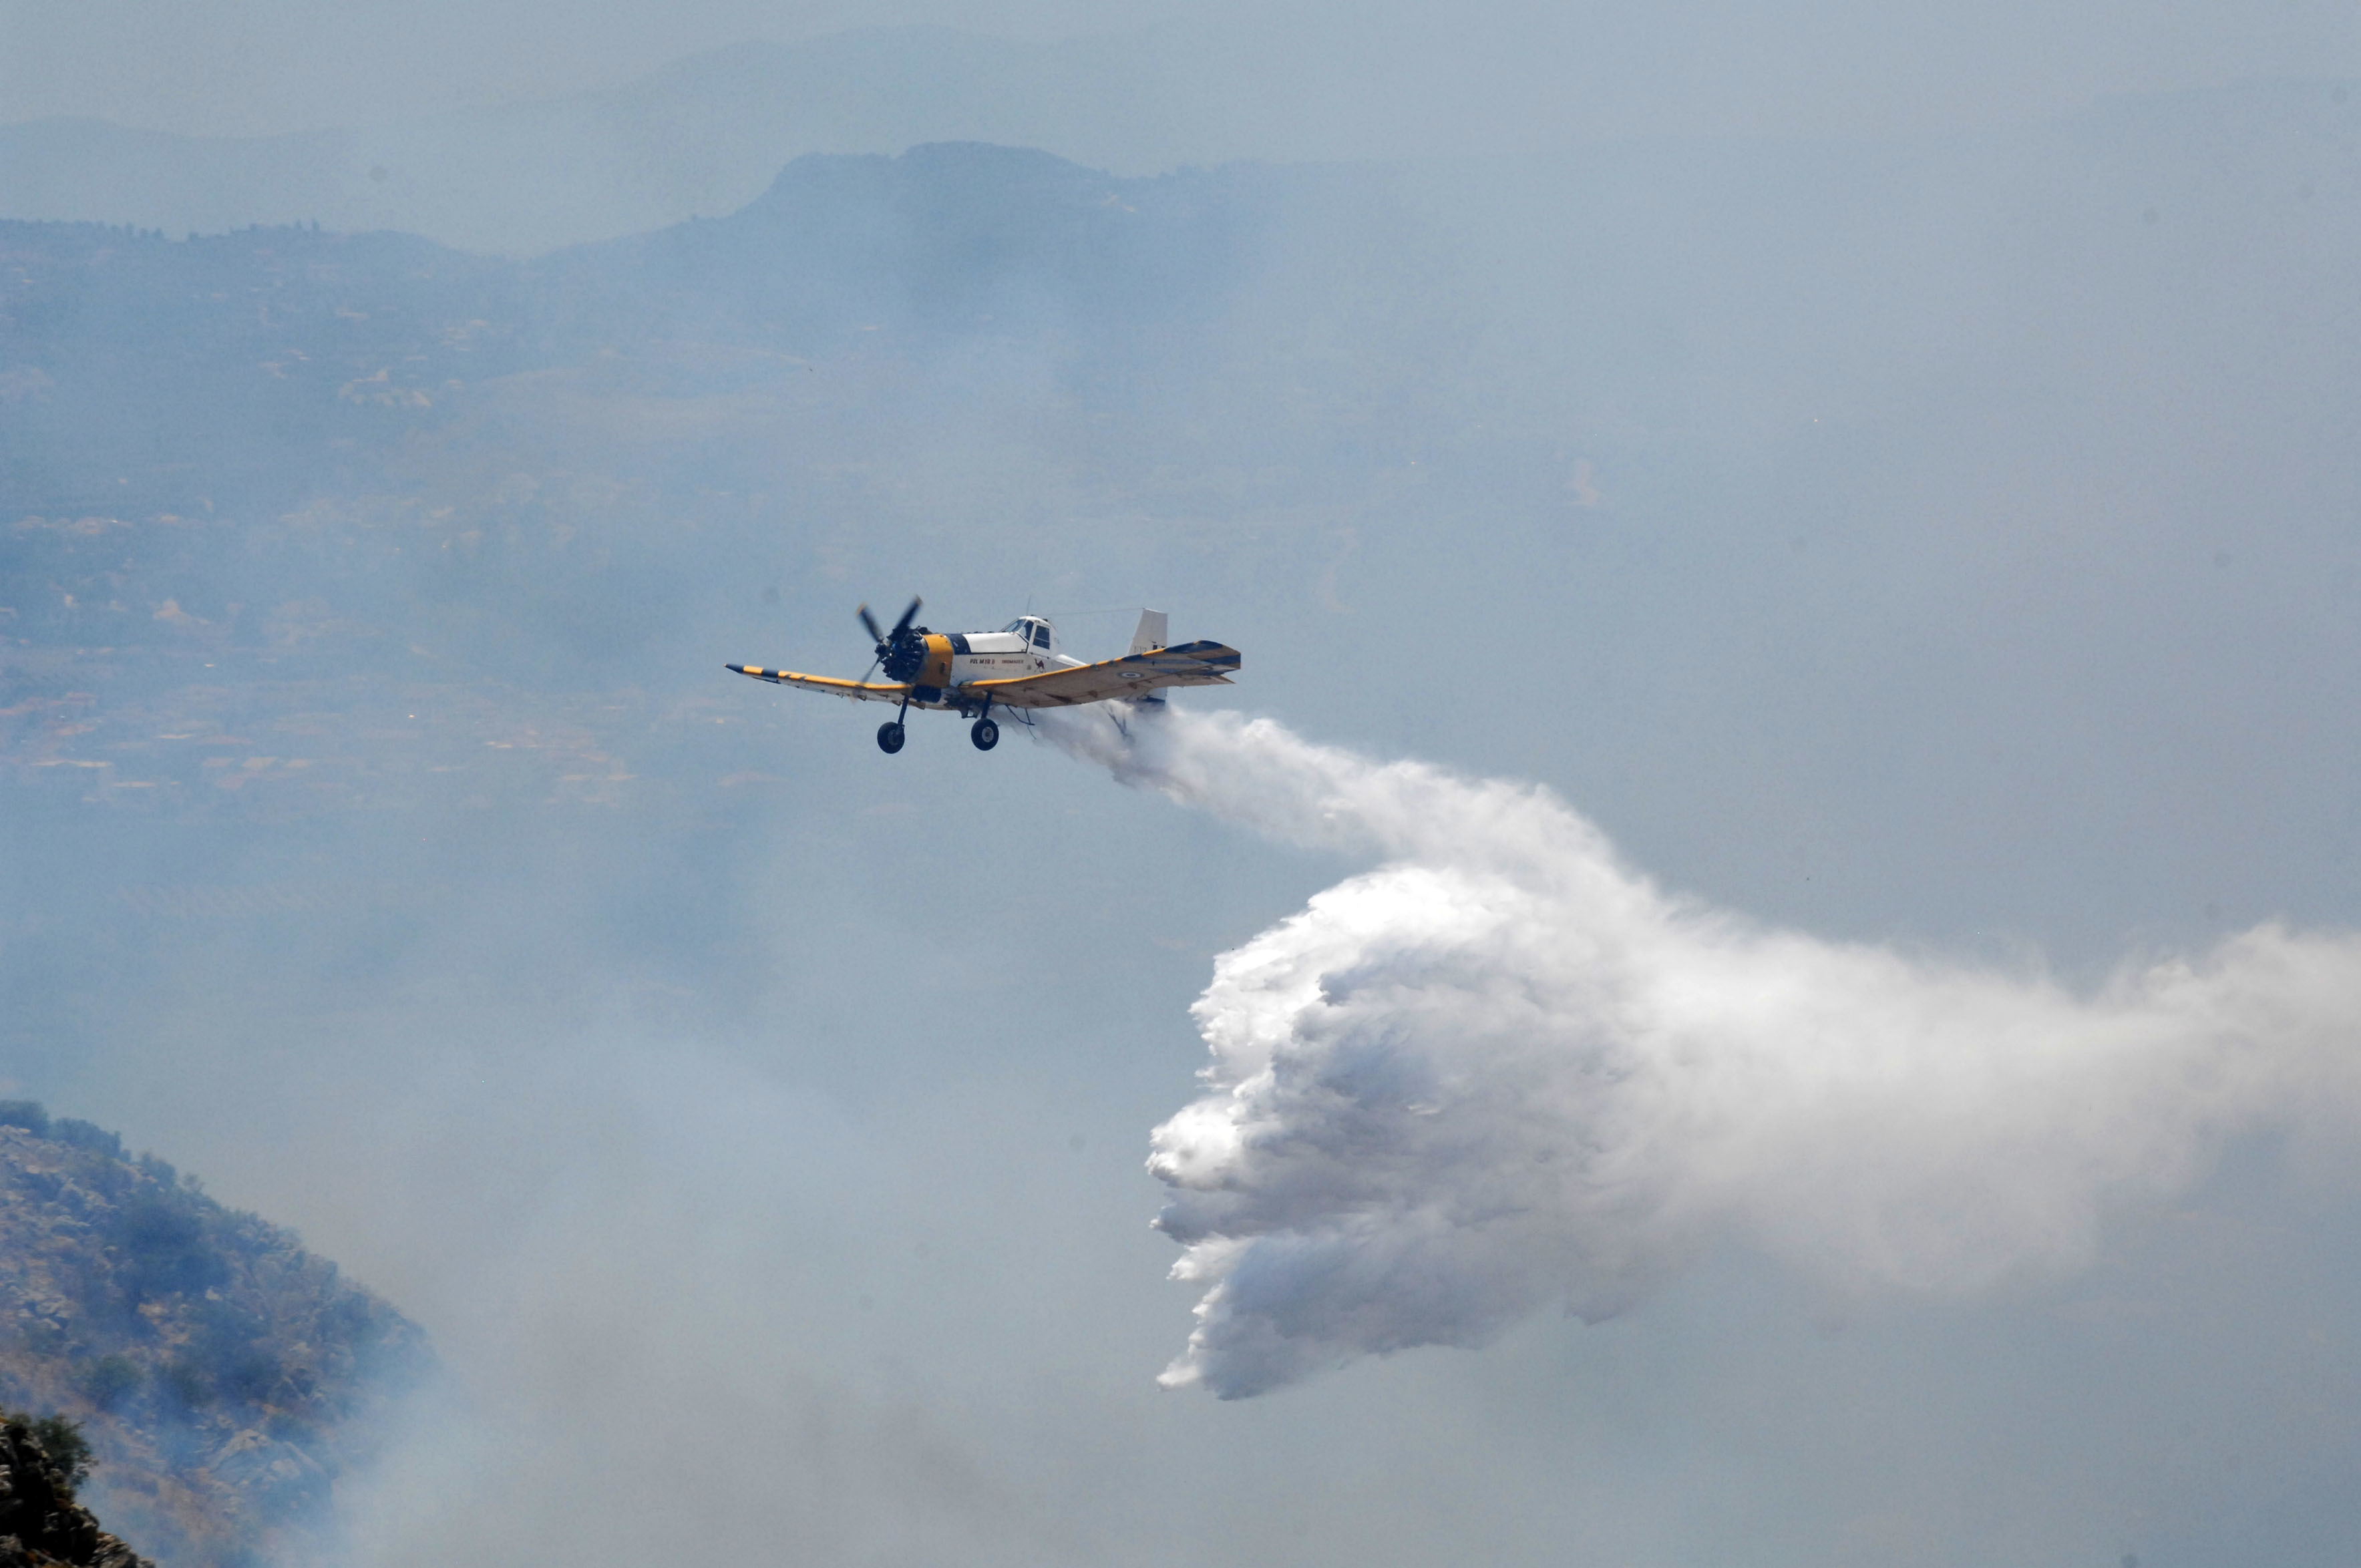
1016	626
1040	634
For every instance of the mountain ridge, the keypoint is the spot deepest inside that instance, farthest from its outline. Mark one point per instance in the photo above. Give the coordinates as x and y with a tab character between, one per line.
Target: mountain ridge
697	137
703	135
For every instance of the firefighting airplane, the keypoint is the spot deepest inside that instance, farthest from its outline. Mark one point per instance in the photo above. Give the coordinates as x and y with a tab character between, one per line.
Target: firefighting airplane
1019	668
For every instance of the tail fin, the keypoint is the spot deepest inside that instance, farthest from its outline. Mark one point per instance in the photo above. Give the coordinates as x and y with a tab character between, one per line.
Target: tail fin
1147	639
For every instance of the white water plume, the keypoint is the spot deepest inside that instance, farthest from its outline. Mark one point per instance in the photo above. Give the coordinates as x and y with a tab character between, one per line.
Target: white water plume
1502	1069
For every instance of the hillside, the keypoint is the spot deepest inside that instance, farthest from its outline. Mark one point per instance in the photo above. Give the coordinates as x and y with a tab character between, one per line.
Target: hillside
222	1377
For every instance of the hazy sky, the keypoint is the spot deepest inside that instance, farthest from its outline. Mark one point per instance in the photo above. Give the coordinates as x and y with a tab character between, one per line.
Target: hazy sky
1513	72
1929	565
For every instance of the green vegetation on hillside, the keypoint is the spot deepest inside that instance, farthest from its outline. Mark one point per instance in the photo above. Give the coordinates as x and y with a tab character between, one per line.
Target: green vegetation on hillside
42	1524
60	1440
209	1377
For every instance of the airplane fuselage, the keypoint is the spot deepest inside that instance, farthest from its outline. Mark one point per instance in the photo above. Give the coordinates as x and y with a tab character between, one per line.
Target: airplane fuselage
953	659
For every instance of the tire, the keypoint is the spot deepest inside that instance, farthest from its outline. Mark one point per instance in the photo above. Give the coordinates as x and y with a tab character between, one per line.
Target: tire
986	734
889	737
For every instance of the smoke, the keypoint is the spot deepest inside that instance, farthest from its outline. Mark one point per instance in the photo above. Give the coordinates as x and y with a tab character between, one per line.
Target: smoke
1503	1070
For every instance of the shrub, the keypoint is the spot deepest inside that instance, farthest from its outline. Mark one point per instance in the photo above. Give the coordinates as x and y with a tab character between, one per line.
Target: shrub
106	1380
61	1440
188	1384
57	1437
28	1114
88	1136
163	1248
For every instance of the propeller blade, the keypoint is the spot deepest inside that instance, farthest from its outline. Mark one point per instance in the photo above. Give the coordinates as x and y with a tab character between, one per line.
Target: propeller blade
869	621
908	616
869	671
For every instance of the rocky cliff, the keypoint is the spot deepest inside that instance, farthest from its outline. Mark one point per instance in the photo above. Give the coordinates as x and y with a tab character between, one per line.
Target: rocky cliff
223	1377
40	1521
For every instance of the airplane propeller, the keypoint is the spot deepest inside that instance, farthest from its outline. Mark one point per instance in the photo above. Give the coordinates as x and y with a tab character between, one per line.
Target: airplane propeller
885	640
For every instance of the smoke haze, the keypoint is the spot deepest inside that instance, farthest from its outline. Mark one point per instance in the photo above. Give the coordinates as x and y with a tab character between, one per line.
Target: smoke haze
1941	545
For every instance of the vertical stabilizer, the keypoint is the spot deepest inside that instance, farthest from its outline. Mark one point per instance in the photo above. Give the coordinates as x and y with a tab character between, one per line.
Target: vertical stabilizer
1150	635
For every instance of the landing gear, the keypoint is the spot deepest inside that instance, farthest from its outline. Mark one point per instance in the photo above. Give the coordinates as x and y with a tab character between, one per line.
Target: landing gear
986	734
889	734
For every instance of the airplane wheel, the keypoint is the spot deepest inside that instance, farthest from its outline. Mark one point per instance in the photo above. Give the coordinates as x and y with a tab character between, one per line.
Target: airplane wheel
986	734
889	737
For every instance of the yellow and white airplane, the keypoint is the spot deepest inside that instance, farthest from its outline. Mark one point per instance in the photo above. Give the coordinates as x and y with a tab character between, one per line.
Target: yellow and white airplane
1017	667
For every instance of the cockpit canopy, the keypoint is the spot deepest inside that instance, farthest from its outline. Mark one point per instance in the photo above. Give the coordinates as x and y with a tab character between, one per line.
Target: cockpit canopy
1032	629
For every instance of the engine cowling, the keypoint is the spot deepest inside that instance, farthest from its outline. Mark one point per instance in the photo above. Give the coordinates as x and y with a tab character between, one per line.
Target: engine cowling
920	657
935	670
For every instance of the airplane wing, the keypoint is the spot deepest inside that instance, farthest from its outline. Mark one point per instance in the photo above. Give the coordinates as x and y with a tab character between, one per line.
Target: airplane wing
858	691
1134	674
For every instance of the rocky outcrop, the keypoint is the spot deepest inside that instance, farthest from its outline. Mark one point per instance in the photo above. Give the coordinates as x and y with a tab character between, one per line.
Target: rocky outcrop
42	1524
